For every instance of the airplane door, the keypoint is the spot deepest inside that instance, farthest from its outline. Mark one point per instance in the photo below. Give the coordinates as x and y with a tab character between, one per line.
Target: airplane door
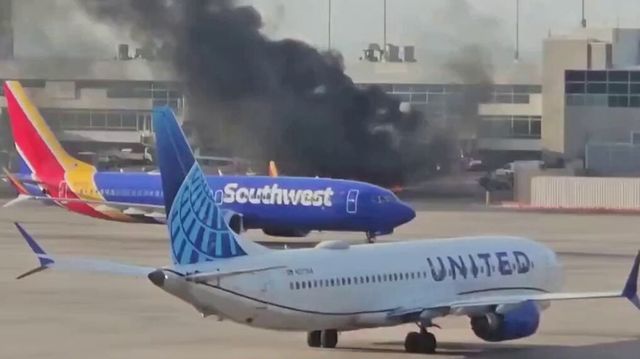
63	189
352	201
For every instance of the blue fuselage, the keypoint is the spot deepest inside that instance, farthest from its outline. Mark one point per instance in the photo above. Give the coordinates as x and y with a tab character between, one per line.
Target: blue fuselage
278	203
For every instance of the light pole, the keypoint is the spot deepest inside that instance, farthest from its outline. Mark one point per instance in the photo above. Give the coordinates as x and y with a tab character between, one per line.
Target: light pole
384	29
329	25
516	55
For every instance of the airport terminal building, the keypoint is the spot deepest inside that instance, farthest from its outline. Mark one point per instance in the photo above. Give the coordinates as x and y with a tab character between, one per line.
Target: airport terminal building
106	105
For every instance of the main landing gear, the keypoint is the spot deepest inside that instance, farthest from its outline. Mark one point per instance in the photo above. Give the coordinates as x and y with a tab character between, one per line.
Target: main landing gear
322	338
422	342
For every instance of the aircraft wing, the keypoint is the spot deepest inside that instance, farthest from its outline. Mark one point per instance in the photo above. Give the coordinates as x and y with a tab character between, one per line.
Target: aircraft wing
78	265
504	303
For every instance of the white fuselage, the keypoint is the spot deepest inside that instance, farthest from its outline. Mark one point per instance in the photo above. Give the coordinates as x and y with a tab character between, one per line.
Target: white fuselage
360	286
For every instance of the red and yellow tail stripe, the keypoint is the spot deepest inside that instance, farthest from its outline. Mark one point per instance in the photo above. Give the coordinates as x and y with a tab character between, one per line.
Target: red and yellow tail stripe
61	174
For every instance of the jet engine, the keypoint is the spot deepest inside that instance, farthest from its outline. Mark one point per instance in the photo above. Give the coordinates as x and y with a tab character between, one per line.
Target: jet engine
285	232
514	323
236	223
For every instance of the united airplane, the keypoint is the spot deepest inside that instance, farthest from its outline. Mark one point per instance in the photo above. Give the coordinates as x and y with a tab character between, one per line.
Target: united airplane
279	205
501	283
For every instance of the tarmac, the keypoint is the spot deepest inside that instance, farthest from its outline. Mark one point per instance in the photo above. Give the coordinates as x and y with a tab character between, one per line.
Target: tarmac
77	315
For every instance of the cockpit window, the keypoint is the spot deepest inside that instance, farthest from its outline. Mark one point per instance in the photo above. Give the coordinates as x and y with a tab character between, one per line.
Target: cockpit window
384	198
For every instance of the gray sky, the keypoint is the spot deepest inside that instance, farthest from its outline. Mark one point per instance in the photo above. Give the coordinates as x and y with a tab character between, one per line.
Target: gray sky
435	27
434	24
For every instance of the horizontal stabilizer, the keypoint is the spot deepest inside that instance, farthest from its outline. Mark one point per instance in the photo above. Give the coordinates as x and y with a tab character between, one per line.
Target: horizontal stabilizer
79	264
14	181
20	199
630	290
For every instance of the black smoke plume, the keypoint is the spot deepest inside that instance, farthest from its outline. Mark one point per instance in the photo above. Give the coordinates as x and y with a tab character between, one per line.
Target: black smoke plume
281	100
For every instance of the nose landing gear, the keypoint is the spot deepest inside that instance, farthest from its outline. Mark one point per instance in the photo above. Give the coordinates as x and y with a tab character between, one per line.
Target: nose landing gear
371	237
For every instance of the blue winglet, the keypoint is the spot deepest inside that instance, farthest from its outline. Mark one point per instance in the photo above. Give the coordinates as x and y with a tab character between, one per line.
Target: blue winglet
43	257
630	290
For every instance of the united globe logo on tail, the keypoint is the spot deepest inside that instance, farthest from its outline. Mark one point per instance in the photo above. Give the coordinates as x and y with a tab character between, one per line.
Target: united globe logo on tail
274	195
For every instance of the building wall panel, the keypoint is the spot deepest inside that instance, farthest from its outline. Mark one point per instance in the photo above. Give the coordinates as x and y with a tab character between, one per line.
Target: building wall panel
612	193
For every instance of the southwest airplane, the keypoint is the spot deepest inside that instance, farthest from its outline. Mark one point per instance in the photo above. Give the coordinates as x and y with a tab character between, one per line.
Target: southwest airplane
281	206
500	283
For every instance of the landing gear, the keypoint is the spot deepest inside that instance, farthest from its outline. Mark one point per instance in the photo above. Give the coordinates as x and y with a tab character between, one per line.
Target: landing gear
313	339
371	237
329	338
423	342
322	338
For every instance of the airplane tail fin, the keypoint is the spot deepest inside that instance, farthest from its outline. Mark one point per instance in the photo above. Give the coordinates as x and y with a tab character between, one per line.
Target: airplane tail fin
36	144
273	169
198	228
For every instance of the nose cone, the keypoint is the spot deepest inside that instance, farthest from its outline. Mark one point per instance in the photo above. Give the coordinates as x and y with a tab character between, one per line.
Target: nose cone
404	213
157	277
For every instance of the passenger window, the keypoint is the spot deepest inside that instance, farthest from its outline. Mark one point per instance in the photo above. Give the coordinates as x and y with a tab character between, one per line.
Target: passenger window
424	274
304	285
366	279
291	285
344	282
332	283
315	283
401	276
297	285
395	277
348	280
373	278
384	277
379	278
